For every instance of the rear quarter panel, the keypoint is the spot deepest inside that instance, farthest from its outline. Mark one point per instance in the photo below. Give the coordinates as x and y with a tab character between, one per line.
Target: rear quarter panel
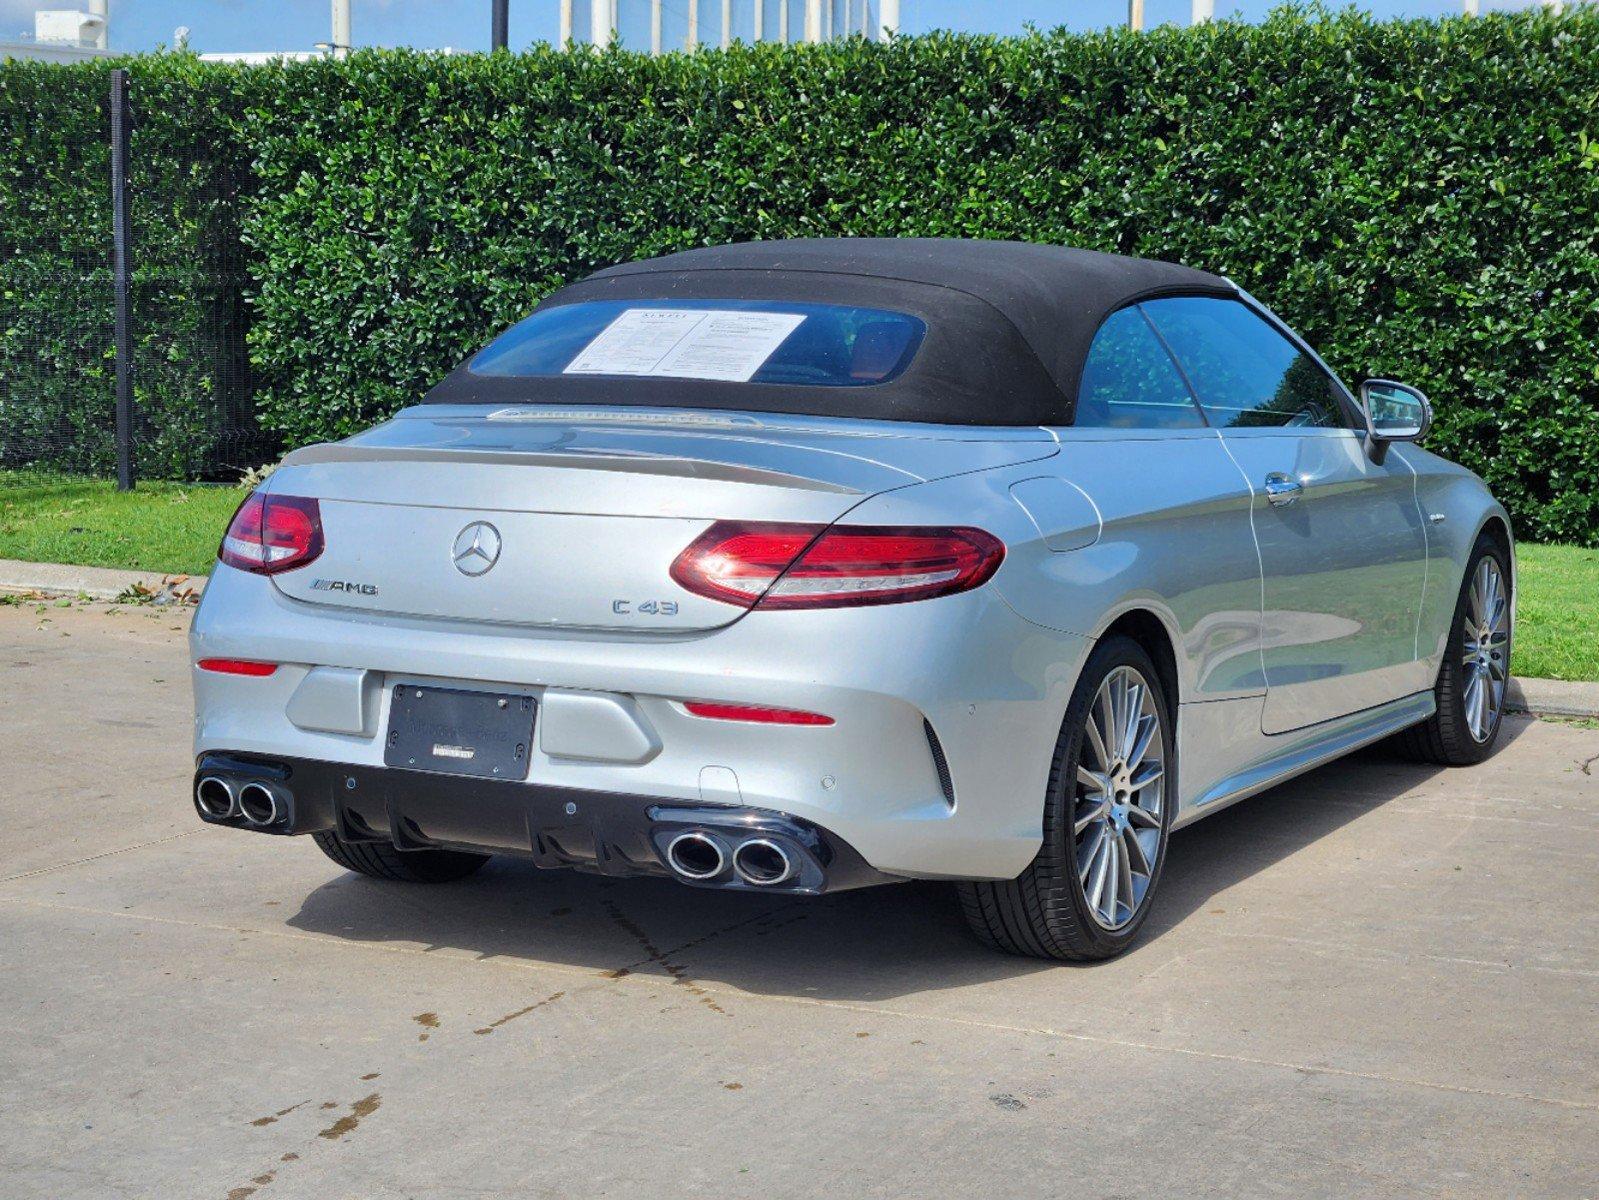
1174	540
1168	532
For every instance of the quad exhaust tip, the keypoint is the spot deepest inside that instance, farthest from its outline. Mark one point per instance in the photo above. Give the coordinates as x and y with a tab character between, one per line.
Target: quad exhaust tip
760	862
696	856
757	861
257	804
215	797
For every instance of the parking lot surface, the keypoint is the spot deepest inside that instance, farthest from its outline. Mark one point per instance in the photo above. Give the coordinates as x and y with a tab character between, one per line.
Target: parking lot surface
1378	980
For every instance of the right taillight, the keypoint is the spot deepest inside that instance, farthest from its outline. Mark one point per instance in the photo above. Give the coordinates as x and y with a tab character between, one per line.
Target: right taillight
271	533
818	566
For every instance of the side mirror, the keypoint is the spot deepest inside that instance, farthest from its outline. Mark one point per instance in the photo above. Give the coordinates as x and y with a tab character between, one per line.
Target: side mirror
1395	412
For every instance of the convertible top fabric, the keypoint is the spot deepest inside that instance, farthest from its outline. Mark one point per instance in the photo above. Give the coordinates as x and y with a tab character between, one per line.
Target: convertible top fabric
1009	325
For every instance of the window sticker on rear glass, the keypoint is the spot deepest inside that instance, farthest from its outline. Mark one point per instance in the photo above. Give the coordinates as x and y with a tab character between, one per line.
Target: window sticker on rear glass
682	343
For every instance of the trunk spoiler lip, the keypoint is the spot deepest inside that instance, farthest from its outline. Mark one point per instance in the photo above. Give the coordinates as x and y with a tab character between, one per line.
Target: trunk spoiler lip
720	421
640	464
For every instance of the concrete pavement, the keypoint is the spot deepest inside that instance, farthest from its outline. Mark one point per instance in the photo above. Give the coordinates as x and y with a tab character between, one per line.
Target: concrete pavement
1379	980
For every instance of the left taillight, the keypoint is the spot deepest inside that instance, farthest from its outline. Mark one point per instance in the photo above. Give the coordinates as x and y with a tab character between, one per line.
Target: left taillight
813	566
272	533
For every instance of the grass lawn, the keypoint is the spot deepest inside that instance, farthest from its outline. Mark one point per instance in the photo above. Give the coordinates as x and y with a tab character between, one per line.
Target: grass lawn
167	527
174	528
1557	612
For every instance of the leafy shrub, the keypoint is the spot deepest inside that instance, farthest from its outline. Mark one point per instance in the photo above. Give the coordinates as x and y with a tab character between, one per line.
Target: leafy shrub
187	172
1418	198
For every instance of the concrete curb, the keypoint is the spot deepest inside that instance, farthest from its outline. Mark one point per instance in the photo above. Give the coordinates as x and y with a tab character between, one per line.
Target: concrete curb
98	583
1540	697
1552	698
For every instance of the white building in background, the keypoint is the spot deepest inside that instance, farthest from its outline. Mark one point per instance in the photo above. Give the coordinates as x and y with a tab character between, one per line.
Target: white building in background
259	58
64	35
754	20
339	44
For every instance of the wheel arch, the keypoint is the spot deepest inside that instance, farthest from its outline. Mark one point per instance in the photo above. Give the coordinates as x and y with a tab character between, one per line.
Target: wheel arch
1151	632
1496	525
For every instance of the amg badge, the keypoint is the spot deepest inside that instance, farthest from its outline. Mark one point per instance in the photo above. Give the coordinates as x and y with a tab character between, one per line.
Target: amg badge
344	585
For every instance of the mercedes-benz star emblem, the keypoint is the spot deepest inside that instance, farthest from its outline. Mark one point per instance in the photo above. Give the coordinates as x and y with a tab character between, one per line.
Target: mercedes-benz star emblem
476	549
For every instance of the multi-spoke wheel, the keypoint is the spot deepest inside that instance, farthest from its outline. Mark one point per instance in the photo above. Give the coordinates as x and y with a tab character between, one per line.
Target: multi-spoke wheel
1120	798
1485	647
1106	818
1471	683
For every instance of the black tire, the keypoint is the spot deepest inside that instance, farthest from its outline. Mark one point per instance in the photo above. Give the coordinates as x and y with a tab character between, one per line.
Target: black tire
1045	912
406	866
1446	736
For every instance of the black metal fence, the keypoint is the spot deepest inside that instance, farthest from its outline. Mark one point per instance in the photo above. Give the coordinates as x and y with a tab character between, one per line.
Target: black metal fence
123	331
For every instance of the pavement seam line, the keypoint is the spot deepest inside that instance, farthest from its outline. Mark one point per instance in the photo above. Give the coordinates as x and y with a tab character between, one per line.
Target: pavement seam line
605	976
1400	956
78	862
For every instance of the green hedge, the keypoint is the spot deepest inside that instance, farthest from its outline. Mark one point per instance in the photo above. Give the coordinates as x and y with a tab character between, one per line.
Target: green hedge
188	170
1419	198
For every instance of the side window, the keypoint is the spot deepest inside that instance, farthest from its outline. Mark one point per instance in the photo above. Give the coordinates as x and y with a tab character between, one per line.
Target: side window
1245	372
1129	381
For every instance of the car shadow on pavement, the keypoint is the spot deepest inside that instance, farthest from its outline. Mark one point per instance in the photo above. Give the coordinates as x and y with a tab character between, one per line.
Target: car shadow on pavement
869	945
1240	841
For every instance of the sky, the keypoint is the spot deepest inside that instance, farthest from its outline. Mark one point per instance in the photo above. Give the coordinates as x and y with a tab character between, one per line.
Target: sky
239	25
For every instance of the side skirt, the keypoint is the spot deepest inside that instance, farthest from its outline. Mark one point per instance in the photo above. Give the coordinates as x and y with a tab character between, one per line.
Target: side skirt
1295	753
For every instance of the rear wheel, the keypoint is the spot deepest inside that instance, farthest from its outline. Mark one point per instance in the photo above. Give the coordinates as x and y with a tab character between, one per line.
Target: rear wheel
1107	816
408	866
1476	669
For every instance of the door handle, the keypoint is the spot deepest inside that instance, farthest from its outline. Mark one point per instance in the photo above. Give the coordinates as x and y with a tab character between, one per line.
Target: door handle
1282	490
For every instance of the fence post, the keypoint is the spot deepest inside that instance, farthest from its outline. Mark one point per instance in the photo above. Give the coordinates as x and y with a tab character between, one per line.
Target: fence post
121	249
499	32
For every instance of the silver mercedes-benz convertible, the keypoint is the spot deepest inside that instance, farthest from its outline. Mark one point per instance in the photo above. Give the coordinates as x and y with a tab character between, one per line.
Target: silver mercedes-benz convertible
791	567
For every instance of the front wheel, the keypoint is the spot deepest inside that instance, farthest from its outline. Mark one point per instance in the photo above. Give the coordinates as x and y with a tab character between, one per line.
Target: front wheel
1470	691
1107	817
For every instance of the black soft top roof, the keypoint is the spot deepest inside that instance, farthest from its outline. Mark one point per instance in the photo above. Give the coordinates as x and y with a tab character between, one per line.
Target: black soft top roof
1009	324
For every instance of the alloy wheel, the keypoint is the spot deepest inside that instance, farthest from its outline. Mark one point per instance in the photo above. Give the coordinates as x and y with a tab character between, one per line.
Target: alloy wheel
1120	797
1485	648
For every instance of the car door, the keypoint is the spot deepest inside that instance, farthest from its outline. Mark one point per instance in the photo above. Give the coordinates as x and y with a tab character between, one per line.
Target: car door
1343	551
1172	515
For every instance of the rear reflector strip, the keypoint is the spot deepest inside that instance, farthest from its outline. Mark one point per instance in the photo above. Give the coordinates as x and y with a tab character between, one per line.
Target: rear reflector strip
754	712
236	666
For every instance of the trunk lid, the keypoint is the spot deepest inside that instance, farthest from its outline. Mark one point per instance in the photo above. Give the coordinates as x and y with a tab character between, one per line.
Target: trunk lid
571	520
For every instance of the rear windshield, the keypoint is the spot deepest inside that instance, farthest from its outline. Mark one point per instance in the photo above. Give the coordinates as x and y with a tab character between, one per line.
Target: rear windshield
743	341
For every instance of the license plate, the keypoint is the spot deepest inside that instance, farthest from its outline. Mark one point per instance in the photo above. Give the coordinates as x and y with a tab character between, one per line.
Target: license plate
454	731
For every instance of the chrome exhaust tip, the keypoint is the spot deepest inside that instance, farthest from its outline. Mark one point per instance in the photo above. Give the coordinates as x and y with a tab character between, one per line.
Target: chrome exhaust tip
258	804
695	856
760	862
215	797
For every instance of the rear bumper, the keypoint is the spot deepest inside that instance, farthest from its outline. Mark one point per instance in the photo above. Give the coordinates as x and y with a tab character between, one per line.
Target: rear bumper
991	686
601	832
